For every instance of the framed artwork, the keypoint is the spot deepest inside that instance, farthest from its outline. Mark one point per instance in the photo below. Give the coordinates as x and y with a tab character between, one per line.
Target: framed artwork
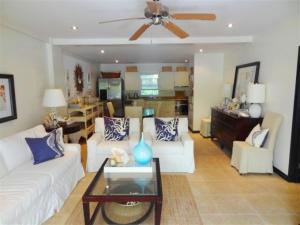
8	110
244	74
78	78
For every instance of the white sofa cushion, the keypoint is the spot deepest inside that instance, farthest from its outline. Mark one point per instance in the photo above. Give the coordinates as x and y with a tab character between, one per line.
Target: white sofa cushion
167	148
105	147
39	131
14	149
52	168
19	191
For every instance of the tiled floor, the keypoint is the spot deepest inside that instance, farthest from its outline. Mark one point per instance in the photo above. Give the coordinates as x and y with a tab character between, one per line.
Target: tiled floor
220	195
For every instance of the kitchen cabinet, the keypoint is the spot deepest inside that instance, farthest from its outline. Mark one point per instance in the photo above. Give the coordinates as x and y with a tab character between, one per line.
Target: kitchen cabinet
181	79
166	81
132	81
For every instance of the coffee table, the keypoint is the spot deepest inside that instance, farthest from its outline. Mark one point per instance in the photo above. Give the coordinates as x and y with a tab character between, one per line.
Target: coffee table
128	191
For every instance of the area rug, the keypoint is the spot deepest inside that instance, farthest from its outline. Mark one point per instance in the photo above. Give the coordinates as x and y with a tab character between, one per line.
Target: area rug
179	207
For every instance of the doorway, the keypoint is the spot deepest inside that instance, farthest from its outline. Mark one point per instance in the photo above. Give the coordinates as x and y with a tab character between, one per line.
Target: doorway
294	166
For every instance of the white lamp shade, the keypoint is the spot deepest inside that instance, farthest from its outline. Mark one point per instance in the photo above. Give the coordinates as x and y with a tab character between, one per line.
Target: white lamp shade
256	93
227	90
54	98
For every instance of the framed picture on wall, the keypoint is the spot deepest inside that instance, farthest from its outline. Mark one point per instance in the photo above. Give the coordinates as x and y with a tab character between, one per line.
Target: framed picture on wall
8	110
244	74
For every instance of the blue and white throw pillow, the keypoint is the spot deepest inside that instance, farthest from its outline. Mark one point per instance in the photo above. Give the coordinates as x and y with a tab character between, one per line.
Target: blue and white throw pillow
45	148
166	130
59	139
116	129
257	136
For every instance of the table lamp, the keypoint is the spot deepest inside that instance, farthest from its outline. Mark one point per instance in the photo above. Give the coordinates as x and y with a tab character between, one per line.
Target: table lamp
255	96
54	98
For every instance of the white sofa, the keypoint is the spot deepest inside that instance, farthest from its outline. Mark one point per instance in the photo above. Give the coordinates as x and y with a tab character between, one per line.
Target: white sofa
174	156
98	149
30	194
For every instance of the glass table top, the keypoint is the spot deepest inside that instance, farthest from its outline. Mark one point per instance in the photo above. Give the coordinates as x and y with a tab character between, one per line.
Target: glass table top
131	179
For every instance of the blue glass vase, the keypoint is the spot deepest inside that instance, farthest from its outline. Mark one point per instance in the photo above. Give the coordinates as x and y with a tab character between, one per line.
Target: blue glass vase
142	152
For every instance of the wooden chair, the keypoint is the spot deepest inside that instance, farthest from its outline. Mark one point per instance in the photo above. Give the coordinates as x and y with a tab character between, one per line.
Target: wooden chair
110	108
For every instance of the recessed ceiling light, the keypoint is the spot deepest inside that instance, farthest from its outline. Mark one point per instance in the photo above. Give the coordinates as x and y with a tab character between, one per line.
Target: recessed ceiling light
116	61
200	50
230	25
102	51
186	60
74	28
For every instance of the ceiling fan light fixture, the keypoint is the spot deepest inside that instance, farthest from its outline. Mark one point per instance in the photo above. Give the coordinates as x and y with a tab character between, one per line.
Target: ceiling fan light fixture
116	61
230	25
102	51
156	20
201	50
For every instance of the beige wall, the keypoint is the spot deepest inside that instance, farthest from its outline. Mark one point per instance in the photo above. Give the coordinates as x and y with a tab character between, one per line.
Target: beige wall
25	58
65	62
276	49
208	78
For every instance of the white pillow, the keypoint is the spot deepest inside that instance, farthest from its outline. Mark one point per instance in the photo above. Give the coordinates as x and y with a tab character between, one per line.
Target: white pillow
249	138
260	137
257	136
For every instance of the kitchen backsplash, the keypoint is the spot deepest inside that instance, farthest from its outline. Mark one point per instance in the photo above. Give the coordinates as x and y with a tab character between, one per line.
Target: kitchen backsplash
162	93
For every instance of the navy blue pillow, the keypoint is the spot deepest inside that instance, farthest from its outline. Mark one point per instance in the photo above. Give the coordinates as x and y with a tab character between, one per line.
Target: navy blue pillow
166	130
116	129
44	149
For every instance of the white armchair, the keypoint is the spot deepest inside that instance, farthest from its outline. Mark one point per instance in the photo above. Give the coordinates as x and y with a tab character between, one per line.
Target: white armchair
174	156
249	159
98	148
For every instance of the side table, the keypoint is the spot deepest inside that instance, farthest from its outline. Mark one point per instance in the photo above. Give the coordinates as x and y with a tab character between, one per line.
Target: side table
67	129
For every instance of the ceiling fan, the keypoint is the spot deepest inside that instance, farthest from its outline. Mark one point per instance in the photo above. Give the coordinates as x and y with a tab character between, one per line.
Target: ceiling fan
159	15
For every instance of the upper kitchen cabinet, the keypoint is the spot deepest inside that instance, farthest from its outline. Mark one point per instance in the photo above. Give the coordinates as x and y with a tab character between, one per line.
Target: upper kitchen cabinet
166	81
132	81
181	78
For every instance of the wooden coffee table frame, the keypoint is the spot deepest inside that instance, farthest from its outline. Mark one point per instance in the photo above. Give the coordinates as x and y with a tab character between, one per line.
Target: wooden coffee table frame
87	198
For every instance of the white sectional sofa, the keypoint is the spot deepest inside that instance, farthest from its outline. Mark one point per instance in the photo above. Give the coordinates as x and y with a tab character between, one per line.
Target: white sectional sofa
98	149
174	156
30	194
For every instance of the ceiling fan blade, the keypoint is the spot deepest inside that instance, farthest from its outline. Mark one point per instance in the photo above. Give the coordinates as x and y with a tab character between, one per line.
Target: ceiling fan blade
175	29
139	32
118	20
154	7
193	16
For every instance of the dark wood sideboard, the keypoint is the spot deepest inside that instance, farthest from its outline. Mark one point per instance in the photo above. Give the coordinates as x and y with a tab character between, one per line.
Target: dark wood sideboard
226	127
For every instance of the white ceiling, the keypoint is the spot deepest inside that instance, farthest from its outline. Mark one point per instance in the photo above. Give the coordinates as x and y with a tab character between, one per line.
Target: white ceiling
54	18
145	53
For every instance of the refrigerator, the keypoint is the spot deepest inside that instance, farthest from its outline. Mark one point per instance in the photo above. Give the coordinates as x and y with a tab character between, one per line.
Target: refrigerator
112	89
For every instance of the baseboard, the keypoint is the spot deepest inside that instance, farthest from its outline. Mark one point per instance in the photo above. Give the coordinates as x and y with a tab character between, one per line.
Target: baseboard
206	136
281	174
194	131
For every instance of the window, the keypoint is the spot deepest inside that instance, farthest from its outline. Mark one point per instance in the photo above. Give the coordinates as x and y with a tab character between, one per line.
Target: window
149	85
